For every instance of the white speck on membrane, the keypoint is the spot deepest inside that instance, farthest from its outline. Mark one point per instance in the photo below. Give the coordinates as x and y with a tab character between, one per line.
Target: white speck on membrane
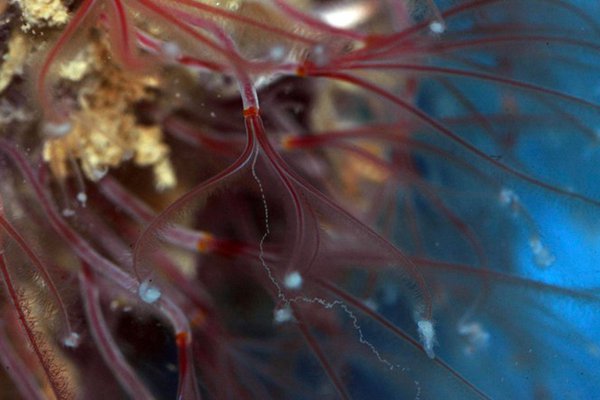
82	198
72	340
508	197
437	27
171	51
371	304
477	336
320	56
282	315
427	336
277	53
293	280
149	293
99	172
57	129
542	256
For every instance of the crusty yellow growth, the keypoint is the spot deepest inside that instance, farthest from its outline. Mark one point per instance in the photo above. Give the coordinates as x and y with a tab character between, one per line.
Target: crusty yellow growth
43	13
14	59
82	64
104	132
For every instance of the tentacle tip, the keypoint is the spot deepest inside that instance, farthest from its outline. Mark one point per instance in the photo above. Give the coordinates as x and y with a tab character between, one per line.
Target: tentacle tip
148	292
68	212
437	27
72	340
82	198
293	280
427	336
57	129
283	315
171	51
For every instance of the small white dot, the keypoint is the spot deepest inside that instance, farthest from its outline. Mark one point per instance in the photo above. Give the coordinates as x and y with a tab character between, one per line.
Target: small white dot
277	53
82	198
282	315
57	129
293	280
72	341
149	293
508	197
371	304
320	56
171	51
542	255
99	172
427	335
437	27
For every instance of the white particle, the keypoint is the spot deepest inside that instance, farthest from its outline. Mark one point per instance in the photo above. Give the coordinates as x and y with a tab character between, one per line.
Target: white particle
477	337
99	173
82	198
72	341
427	336
508	197
320	56
293	281
171	51
57	129
277	53
148	293
437	27
542	256
371	304
282	315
